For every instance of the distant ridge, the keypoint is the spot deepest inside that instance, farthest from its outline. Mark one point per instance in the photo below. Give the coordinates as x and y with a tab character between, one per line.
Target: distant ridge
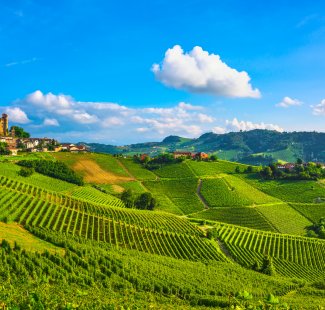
252	147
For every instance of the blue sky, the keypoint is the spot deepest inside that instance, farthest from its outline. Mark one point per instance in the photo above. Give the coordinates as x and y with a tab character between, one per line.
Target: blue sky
133	71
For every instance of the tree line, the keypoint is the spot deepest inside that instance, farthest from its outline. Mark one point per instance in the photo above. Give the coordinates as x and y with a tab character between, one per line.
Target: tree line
54	169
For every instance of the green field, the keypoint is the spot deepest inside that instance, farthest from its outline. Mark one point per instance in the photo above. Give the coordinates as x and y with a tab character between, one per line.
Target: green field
313	212
289	191
248	217
108	253
228	191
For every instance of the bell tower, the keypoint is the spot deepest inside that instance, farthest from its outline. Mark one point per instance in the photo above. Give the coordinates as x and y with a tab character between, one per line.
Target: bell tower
4	125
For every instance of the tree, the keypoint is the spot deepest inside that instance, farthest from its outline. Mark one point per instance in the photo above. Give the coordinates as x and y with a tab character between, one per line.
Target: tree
3	148
128	198
266	172
26	172
20	132
250	169
267	266
145	202
212	233
237	169
213	158
299	161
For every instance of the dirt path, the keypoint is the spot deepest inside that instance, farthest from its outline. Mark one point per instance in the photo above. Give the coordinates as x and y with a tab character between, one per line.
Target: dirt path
198	193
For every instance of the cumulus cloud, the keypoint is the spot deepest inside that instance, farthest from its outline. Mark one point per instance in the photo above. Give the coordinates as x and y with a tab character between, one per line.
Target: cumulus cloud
62	105
319	109
236	125
50	109
219	130
201	72
203	118
17	115
287	102
50	122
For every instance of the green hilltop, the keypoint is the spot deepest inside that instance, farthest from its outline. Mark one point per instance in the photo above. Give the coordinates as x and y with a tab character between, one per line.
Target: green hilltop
219	236
251	147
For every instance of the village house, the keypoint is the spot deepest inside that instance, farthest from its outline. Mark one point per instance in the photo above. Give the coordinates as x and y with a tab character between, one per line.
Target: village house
183	154
288	166
201	156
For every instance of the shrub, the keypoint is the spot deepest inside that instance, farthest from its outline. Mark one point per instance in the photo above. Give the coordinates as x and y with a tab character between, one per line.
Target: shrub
26	172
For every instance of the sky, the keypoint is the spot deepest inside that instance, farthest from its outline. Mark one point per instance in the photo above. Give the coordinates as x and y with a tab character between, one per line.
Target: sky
121	72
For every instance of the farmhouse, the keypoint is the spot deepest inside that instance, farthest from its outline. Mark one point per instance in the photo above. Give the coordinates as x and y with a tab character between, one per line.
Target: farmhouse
288	166
201	155
182	154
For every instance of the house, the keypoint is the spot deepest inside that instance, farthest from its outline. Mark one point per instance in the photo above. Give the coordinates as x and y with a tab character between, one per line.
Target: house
143	157
78	149
182	154
201	156
288	166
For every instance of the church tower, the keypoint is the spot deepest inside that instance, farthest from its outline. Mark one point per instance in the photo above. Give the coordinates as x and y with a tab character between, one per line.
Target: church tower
4	125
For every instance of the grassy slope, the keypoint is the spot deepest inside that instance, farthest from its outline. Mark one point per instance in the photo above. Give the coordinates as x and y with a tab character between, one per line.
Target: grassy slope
13	232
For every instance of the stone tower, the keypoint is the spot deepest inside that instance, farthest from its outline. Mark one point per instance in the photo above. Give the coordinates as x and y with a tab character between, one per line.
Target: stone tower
4	125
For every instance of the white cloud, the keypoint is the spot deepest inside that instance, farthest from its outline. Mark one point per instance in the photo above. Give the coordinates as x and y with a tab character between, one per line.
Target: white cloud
62	105
288	102
112	121
319	109
203	118
50	122
235	125
201	72
218	130
17	115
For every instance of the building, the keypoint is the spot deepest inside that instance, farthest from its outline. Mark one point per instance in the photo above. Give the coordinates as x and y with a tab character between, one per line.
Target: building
4	121
201	155
288	166
182	154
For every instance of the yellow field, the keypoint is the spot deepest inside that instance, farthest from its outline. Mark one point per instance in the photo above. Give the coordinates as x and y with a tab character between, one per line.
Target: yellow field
13	232
93	173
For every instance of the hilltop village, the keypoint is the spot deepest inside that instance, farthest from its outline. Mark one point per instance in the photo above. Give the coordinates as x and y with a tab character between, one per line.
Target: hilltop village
16	139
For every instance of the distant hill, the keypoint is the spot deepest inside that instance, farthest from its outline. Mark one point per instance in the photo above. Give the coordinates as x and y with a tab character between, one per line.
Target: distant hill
250	147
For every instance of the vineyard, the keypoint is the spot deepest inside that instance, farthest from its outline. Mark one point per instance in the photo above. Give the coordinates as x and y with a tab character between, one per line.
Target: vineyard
284	218
248	217
181	192
229	191
152	233
295	257
102	246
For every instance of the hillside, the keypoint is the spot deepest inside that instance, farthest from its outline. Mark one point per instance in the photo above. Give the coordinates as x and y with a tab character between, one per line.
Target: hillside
251	147
85	237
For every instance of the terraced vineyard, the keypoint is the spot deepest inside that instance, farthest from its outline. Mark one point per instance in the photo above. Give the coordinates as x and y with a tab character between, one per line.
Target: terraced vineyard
229	191
205	169
95	196
181	192
286	219
244	216
293	256
311	211
152	233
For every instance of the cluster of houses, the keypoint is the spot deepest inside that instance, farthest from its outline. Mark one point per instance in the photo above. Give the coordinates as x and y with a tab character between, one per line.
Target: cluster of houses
15	144
199	155
291	166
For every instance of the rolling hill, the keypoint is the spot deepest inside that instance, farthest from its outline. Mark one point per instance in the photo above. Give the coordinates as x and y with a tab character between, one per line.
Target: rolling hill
95	253
255	147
